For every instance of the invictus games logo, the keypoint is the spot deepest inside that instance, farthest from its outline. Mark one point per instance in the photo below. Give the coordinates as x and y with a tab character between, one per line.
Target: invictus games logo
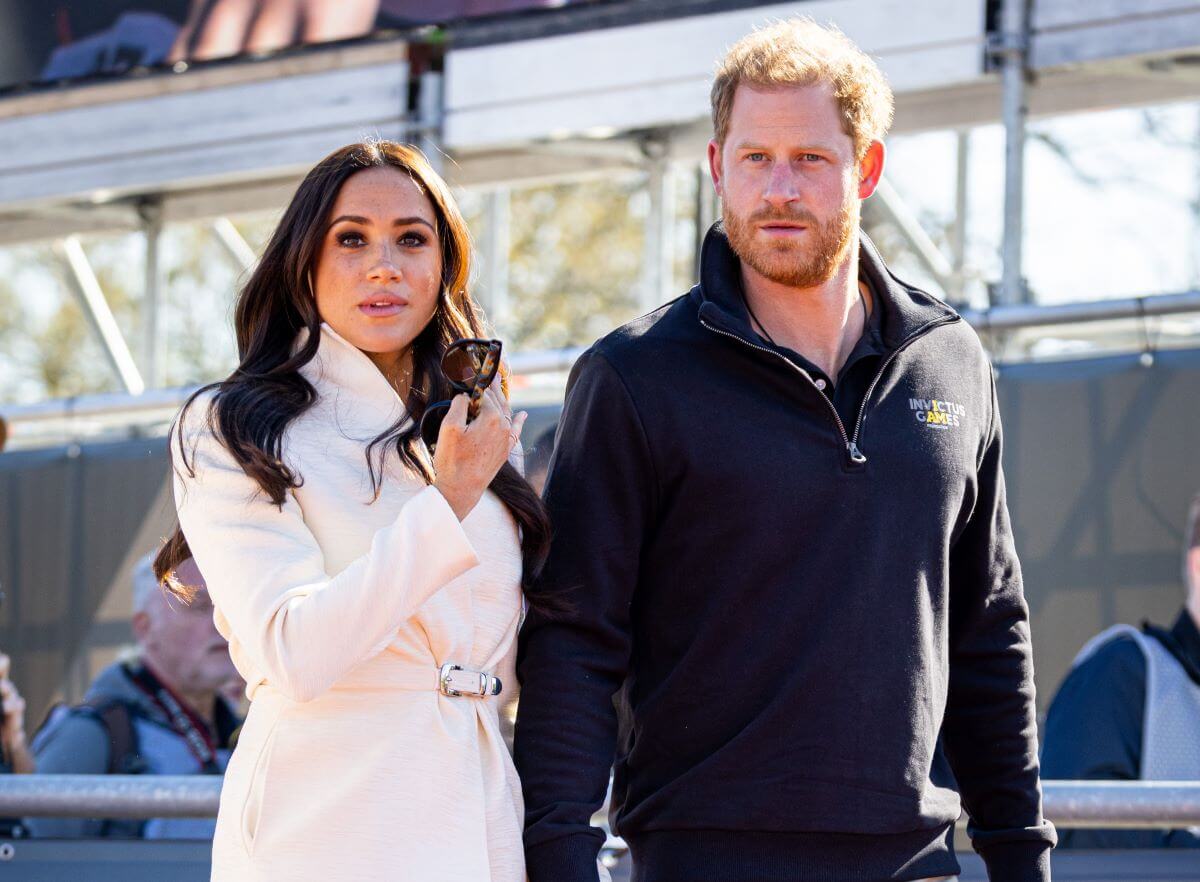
935	413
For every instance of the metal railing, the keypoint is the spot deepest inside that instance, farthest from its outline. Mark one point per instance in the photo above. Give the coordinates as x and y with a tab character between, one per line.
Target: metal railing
1146	805
88	414
1017	317
109	796
1129	805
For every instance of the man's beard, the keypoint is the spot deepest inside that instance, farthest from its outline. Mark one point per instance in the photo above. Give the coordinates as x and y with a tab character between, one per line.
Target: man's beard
795	264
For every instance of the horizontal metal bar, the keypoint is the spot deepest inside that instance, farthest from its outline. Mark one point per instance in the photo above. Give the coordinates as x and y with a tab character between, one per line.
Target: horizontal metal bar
97	406
1012	318
109	796
94	407
1131	805
1001	318
1069	804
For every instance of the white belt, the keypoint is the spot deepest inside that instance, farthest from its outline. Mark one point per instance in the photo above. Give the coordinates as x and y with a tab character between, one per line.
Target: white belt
455	680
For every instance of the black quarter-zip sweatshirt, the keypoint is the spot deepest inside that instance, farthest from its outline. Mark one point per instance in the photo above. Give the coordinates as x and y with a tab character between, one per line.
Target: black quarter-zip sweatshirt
775	611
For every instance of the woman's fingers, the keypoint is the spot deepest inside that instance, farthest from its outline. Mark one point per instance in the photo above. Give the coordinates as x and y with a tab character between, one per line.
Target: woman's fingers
457	415
490	402
518	424
501	400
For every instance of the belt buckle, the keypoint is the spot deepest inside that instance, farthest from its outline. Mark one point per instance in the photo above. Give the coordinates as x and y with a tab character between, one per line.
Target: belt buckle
457	681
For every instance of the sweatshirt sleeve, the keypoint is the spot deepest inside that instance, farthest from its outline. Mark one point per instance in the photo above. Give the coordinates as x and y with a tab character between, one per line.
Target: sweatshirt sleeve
599	493
990	728
301	628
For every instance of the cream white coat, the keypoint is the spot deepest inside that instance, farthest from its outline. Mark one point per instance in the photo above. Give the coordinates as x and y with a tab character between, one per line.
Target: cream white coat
339	611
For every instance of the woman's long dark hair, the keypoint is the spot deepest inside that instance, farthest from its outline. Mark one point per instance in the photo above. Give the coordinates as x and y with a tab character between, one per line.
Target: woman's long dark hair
254	405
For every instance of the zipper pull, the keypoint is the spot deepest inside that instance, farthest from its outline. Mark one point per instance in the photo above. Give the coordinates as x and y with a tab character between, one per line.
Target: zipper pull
856	455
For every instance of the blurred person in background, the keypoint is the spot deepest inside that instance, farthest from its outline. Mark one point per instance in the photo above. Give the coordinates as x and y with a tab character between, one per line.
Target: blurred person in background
781	524
160	713
15	756
1129	710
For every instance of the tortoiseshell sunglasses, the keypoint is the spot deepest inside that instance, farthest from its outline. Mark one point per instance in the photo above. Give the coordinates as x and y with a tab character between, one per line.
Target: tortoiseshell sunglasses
470	366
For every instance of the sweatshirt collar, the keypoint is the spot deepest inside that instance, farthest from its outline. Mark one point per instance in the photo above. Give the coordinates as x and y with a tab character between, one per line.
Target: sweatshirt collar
904	310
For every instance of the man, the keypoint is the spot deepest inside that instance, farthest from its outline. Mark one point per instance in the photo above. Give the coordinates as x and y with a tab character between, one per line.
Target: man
781	529
163	713
1130	710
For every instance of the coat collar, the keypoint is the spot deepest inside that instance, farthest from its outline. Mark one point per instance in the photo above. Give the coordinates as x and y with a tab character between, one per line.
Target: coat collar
905	310
342	372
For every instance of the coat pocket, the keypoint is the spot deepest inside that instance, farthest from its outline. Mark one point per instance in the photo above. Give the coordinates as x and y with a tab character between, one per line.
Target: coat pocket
250	815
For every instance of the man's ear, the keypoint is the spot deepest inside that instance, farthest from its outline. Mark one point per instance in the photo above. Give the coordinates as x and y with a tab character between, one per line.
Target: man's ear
870	169
1193	571
715	170
140	624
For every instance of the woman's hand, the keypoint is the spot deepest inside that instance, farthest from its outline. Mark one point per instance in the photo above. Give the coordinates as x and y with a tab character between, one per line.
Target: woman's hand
467	457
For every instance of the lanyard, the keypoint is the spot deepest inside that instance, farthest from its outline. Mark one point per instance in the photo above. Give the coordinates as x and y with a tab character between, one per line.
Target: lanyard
184	721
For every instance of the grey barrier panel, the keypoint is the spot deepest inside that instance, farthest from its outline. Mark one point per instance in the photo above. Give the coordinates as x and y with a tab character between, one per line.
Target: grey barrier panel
68	517
1101	462
98	860
1067	866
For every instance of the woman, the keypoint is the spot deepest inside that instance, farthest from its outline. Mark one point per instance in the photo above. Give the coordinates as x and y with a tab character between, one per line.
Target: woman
345	565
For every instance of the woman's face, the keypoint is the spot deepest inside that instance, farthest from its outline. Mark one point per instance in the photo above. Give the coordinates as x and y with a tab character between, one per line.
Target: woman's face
379	267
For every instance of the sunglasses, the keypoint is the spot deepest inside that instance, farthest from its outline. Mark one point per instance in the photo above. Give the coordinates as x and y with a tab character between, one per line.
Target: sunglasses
469	366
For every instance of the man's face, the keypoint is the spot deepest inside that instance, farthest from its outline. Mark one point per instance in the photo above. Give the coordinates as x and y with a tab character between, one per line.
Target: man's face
180	640
790	183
